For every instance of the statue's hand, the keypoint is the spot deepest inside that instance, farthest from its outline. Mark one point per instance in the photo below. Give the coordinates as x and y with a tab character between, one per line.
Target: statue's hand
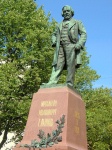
54	45
77	46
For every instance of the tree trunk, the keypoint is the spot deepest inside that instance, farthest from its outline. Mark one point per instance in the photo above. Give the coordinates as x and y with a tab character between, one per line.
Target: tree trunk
5	135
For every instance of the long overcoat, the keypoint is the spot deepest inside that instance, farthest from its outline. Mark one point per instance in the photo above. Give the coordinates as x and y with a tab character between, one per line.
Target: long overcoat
76	34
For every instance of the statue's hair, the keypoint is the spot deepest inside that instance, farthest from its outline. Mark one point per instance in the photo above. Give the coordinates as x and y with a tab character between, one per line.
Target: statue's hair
70	9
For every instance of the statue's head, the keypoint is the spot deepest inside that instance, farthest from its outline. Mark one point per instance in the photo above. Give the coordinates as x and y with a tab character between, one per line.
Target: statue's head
67	12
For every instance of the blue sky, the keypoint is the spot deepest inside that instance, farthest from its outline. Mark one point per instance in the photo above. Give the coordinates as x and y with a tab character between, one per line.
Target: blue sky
96	16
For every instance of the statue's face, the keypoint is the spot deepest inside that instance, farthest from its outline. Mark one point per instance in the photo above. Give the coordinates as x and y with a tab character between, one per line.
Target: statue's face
67	14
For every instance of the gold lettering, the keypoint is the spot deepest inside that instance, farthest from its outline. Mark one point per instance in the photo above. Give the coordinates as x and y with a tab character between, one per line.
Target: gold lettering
39	123
48	103
77	130
45	122
45	112
77	115
77	119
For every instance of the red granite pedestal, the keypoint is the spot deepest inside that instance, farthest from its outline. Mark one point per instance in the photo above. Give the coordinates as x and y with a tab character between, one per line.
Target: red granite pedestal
48	105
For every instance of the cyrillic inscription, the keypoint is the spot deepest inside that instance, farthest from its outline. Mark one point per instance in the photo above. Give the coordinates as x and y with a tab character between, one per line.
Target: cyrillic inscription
45	122
47	112
51	103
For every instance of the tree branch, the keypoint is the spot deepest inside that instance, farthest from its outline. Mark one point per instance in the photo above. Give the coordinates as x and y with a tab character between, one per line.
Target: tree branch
5	135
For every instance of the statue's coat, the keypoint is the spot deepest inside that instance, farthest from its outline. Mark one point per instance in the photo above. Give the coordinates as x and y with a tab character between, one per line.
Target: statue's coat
75	29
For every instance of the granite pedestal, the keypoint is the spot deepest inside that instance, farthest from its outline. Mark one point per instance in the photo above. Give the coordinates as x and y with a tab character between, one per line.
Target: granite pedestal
48	105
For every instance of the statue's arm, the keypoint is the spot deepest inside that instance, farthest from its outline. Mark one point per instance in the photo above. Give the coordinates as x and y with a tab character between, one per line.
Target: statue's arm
54	37
83	35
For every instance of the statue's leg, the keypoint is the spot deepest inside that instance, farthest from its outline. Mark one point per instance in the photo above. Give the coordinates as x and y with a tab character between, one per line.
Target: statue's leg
70	61
54	76
57	70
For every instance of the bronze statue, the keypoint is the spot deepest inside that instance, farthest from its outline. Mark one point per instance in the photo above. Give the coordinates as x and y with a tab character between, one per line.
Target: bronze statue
69	38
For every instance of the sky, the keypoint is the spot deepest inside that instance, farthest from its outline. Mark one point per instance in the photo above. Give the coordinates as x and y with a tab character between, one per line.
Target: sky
96	16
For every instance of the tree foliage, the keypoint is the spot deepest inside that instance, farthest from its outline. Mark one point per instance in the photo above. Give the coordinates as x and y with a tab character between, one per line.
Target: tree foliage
25	60
99	118
85	75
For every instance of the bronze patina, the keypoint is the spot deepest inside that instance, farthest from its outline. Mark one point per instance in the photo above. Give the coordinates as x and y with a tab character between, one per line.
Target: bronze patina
68	39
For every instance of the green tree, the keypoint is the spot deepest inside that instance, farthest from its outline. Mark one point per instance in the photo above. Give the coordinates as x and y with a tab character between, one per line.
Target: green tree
25	57
85	75
99	118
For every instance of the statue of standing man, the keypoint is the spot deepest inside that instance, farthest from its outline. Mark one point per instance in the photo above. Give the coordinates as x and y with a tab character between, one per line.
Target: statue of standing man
69	39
